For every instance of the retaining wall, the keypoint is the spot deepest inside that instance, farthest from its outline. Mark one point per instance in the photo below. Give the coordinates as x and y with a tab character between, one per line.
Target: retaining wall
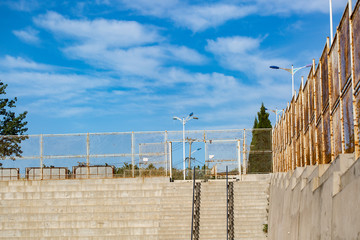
316	202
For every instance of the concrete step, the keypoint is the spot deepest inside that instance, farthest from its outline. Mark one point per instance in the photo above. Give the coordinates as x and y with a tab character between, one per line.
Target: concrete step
116	216
89	201
80	232
91	194
125	224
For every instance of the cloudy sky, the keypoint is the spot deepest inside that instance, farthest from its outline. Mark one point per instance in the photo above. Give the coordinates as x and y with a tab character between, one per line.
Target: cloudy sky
131	65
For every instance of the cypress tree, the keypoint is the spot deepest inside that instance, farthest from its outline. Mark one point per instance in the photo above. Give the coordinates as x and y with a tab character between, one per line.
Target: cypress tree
260	156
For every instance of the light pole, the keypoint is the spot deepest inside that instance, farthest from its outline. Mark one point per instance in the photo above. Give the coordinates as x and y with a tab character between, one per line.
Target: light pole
292	71
276	111
190	153
331	23
184	120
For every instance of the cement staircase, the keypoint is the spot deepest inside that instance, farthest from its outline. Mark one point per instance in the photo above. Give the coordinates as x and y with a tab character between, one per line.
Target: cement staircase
127	209
251	201
95	209
250	210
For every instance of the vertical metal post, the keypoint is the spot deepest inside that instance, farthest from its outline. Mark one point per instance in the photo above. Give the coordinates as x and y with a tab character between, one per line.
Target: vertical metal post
292	81
170	158
238	148
190	143
166	153
341	99
355	109
322	108
183	122
41	156
244	152
133	154
193	205
331	22
227	205
88	154
206	165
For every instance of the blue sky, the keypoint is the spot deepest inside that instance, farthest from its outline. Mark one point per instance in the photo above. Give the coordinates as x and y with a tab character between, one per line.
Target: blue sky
130	65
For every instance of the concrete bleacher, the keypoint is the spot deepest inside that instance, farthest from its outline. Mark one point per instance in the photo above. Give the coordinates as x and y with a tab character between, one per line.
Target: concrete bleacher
138	208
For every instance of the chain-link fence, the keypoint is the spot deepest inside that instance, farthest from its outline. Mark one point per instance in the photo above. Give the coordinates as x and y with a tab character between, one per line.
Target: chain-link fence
133	154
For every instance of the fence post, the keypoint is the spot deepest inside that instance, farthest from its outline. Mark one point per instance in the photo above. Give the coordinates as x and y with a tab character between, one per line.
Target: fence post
41	156
244	152
166	153
227	205
170	159
238	148
88	154
133	154
355	109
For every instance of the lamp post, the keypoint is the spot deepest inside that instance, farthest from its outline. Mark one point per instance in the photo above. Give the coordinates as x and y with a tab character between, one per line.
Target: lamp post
190	158
292	71
276	111
331	23
184	120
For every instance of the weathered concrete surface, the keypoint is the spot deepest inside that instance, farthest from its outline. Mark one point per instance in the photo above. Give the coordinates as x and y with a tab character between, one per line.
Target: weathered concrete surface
317	202
138	208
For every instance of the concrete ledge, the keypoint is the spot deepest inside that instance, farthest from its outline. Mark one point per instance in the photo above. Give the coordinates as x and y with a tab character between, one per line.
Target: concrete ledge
316	202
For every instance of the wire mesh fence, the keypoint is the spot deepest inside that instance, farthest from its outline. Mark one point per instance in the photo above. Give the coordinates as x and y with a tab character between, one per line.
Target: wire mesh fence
138	154
322	121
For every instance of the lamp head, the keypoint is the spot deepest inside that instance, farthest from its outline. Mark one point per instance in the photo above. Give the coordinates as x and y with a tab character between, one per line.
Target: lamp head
195	118
190	115
274	67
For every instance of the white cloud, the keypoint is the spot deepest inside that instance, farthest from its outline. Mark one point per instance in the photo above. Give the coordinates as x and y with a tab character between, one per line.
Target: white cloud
305	6
123	47
28	35
22	5
199	18
203	15
10	62
244	54
195	17
111	33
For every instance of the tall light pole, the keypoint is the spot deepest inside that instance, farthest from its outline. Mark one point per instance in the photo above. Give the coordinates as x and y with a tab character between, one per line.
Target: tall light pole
276	111
292	71
331	23
184	120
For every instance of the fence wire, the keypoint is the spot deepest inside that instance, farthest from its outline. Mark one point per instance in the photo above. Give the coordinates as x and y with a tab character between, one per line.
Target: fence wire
132	154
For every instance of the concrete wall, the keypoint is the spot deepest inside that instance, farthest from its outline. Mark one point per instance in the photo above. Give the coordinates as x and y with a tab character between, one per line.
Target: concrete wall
316	202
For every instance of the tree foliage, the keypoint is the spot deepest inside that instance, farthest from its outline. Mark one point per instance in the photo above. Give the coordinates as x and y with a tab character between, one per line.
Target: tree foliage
12	126
260	156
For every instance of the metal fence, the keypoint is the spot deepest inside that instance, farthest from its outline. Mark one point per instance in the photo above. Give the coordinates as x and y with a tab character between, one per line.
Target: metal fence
322	120
132	154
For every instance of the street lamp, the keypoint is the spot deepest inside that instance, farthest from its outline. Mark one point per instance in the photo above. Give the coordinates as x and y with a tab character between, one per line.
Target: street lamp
276	111
292	71
190	158
331	23
184	120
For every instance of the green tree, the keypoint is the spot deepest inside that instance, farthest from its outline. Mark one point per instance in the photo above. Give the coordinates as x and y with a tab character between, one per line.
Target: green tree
260	156
12	126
